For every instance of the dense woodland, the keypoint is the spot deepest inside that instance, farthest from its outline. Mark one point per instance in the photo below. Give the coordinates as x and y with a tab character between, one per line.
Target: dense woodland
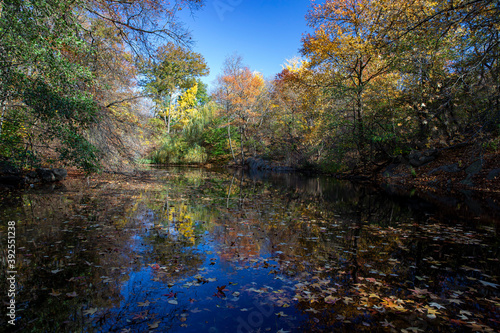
102	84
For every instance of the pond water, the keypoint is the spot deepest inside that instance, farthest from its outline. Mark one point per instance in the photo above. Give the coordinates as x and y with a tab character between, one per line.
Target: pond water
193	250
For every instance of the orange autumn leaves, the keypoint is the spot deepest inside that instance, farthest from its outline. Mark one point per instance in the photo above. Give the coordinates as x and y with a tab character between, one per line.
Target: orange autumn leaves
241	94
239	90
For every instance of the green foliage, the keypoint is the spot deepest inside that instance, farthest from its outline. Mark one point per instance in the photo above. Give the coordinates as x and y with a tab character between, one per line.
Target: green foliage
215	140
173	70
203	139
202	96
144	161
413	172
42	91
176	150
492	144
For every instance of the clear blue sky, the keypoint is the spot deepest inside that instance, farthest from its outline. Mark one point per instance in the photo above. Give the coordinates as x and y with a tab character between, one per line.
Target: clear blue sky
264	32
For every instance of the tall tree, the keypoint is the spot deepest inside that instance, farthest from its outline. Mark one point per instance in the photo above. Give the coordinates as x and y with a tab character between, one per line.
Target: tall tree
44	95
354	44
298	114
173	69
239	91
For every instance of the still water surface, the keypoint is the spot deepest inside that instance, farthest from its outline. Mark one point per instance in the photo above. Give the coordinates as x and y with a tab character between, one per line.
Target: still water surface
192	250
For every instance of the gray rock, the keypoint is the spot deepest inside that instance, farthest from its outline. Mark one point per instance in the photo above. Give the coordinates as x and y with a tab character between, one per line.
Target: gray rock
46	175
389	170
430	152
493	174
474	167
59	174
445	168
468	181
401	160
32	178
416	158
421	160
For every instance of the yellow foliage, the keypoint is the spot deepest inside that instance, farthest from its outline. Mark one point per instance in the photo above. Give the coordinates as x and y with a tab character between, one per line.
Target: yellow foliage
187	105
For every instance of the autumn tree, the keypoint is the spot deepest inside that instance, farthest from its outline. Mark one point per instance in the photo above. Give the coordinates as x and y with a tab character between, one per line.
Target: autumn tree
298	119
469	99
240	92
174	69
350	47
44	94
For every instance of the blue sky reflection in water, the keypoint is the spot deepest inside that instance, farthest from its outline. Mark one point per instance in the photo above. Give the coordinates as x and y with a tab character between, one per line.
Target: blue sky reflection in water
201	303
199	251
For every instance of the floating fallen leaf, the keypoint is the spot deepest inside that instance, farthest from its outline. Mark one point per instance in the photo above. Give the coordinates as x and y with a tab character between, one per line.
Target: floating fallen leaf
154	325
419	292
431	313
173	301
143	303
141	315
106	279
54	293
73	294
347	300
437	305
90	311
488	284
171	294
454	300
411	329
331	300
312	310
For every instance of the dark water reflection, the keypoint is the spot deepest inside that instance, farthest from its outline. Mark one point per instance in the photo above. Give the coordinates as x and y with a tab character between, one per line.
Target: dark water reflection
189	250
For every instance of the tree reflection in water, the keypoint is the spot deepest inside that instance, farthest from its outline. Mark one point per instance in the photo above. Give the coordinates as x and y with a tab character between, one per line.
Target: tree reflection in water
185	250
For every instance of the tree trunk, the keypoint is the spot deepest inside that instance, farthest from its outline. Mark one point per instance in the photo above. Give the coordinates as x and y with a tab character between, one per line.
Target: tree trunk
169	117
168	122
2	117
241	145
230	141
165	121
